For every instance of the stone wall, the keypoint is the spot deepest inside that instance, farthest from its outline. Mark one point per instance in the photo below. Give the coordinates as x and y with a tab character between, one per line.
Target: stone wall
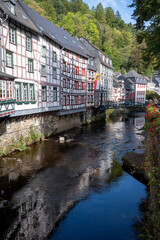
45	123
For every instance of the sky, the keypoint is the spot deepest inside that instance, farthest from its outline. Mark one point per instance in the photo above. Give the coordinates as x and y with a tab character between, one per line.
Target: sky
120	5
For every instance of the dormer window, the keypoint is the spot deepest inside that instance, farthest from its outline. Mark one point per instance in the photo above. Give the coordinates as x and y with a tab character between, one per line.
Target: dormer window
11	6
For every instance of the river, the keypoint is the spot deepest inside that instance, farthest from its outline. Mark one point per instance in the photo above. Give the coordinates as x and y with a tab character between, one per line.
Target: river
76	190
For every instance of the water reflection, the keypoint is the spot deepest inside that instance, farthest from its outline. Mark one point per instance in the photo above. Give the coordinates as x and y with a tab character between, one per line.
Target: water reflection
44	182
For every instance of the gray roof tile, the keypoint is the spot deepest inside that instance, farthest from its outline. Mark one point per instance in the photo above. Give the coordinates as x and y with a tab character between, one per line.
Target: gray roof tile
20	16
62	37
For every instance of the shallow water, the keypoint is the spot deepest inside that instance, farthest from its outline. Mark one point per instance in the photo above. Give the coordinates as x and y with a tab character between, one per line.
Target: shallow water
83	180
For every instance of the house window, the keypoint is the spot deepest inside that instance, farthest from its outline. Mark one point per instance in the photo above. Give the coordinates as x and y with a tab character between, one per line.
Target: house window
84	60
64	100
43	71
11	89
92	74
18	91
68	83
83	71
9	59
77	58
91	86
54	94
54	73
64	83
54	56
76	84
43	51
0	89
68	68
30	65
67	53
10	6
28	43
8	89
76	100
77	70
31	92
64	66
82	99
68	100
83	85
12	35
25	91
44	93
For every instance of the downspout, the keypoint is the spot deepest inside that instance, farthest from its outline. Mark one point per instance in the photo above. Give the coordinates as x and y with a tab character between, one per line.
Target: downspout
4	61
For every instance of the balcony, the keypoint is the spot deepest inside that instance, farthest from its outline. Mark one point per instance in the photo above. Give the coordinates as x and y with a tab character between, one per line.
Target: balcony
7	106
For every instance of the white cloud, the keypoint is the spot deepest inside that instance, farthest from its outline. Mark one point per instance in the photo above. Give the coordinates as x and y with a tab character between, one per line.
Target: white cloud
123	2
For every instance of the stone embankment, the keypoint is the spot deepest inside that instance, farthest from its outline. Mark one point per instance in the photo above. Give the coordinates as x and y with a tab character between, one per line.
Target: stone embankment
135	165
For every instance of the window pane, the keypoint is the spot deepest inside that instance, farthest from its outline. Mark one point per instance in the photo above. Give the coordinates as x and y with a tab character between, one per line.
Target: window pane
25	91
0	89
12	35
30	65
28	43
9	59
54	94
44	95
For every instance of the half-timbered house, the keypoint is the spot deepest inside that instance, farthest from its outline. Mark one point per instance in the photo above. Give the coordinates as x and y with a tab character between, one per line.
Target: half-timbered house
103	93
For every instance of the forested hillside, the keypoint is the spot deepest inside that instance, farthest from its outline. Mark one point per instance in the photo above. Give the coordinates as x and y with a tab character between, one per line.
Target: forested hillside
105	28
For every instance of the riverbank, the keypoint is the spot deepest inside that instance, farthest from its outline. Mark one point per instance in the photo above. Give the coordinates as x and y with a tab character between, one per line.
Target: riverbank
146	168
17	133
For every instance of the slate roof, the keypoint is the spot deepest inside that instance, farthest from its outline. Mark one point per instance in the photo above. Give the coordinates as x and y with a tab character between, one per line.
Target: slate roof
60	36
6	76
132	74
156	81
100	58
135	77
20	16
116	84
127	82
89	66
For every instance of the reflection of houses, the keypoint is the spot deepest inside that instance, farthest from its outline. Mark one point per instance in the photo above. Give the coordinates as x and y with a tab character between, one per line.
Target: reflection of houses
7	101
104	67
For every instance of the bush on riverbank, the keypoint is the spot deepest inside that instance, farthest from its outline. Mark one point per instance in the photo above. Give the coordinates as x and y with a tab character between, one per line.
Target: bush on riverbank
111	112
152	119
21	143
150	225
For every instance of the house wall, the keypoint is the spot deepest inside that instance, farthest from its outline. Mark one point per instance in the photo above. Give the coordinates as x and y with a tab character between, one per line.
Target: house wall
73	81
140	93
20	68
90	88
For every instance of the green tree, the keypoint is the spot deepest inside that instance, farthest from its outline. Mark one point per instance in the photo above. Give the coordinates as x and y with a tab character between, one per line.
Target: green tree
147	16
99	13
